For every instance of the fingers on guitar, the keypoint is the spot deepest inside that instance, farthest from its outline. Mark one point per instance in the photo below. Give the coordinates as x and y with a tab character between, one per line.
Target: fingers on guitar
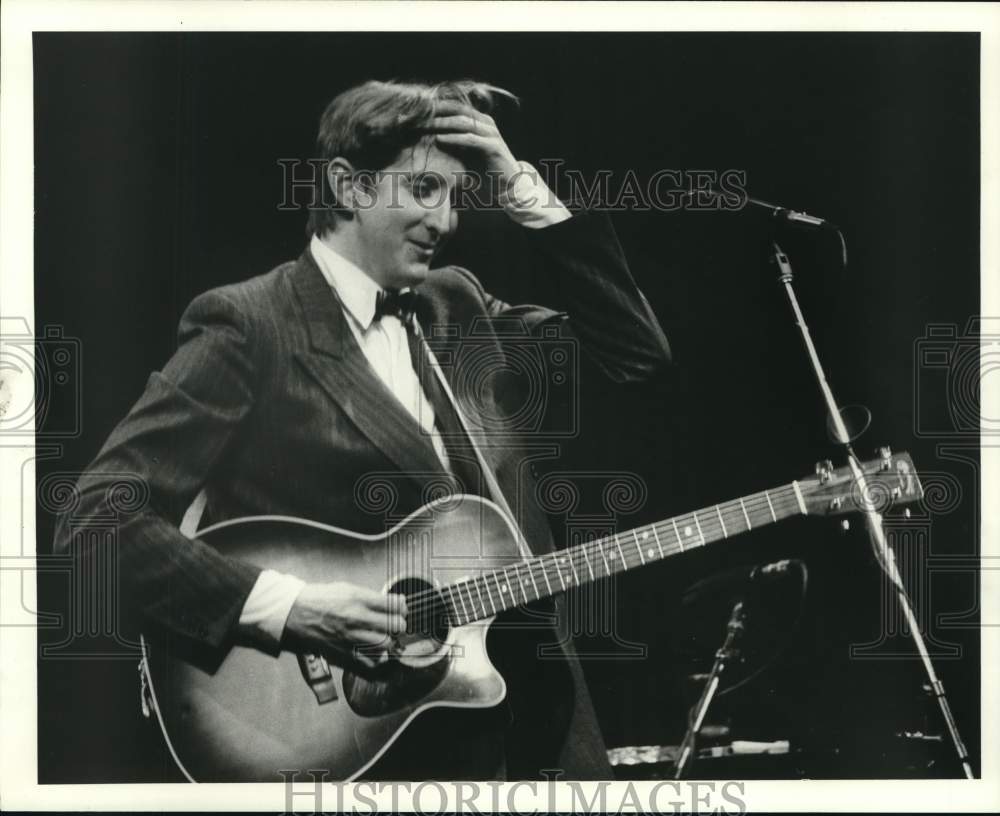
392	602
370	637
395	603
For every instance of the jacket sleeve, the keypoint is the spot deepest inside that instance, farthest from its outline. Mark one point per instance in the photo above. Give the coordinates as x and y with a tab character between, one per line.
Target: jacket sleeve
604	308
164	451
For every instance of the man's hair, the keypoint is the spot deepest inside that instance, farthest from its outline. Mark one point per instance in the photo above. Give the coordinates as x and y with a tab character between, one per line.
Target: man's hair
372	123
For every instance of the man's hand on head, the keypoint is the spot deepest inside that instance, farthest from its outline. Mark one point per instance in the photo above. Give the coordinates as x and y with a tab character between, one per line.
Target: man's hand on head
460	126
520	190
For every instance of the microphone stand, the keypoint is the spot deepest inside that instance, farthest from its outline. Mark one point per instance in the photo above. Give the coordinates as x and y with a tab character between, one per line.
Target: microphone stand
873	519
727	652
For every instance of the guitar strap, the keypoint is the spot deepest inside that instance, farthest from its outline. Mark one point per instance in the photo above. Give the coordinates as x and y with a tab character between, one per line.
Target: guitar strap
438	390
462	459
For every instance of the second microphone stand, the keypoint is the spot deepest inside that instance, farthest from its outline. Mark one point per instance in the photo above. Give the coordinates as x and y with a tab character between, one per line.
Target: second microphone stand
728	652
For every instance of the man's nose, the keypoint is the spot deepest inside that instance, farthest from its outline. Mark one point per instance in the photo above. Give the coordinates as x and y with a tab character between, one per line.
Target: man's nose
440	219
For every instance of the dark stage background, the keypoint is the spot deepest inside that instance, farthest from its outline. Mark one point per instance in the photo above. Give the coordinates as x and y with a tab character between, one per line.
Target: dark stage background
157	177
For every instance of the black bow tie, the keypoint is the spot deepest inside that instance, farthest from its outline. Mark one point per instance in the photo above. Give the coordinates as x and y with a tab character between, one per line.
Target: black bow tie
396	303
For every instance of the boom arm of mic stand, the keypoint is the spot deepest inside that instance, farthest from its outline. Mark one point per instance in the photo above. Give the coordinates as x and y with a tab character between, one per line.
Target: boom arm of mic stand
873	519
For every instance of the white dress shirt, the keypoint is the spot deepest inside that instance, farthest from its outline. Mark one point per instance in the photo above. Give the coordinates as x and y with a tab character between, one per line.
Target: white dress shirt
384	342
528	202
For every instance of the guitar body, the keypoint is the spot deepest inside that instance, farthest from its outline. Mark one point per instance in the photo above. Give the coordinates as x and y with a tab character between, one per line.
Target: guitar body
245	715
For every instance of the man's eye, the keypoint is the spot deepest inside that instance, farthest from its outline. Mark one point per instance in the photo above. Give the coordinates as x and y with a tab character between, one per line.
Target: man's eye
426	187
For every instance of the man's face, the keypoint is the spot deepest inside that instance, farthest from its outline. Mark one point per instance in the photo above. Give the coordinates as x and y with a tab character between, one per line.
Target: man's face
405	219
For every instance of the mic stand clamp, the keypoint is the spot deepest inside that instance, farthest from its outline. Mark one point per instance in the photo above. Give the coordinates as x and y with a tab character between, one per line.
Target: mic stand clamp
727	653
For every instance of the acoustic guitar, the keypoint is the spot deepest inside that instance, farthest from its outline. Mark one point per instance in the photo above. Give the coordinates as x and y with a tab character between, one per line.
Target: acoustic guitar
245	715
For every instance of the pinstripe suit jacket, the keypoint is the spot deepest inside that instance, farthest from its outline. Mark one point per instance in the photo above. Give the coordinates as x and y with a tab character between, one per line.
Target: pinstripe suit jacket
271	407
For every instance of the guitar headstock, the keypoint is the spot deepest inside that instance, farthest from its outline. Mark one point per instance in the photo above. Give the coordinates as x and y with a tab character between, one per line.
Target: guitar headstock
891	480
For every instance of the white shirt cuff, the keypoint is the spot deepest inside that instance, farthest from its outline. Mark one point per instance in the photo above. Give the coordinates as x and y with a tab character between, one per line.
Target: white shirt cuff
267	607
528	201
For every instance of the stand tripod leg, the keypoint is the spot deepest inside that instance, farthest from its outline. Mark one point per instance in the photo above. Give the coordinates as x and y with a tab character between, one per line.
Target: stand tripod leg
937	687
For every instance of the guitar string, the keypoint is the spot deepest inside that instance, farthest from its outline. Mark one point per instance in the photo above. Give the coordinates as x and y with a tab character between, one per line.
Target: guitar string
577	558
782	500
456	600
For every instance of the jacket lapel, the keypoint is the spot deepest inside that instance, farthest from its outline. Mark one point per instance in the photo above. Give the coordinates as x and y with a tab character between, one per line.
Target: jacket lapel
461	347
337	363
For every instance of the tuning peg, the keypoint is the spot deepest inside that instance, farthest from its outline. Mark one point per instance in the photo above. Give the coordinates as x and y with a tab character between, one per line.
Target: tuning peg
845	525
907	513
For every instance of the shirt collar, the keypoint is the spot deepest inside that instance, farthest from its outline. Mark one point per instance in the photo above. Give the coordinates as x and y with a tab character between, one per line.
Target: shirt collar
355	289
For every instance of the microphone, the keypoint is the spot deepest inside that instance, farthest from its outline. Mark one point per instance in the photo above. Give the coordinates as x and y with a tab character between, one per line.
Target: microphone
764	576
774	571
798	219
784	214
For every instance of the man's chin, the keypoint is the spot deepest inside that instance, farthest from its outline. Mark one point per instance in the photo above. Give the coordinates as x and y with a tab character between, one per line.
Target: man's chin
413	275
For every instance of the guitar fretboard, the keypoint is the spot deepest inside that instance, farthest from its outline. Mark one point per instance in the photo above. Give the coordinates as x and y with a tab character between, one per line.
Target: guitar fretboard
496	591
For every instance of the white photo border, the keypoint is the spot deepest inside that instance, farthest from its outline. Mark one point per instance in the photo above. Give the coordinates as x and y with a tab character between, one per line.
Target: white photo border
18	704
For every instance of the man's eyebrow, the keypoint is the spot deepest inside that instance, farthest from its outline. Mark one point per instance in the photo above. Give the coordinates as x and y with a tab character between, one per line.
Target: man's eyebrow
424	176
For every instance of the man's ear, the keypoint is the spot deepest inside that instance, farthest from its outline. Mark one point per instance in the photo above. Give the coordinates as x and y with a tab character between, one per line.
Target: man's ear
340	176
352	190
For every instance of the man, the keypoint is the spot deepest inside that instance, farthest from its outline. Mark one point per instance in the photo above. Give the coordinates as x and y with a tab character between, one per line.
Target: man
289	390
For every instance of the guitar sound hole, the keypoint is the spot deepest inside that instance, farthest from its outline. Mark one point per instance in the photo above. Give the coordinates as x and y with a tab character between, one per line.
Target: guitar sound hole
417	660
427	624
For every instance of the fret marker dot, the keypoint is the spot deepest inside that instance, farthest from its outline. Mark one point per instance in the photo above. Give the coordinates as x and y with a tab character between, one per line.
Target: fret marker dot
645	536
649	552
687	530
503	587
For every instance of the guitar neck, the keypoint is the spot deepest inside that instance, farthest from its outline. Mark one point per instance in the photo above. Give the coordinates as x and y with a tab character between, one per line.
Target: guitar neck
496	591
